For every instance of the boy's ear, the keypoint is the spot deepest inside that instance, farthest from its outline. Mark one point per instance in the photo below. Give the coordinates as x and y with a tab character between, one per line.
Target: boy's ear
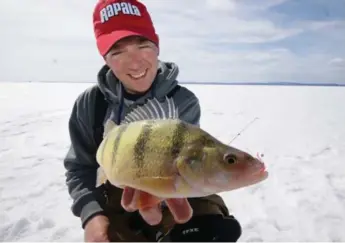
105	59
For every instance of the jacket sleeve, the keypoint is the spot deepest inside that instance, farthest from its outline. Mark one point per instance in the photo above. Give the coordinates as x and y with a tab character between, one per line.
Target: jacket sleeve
189	106
80	162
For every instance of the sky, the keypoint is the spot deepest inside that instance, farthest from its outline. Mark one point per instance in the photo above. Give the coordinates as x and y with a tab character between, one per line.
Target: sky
210	40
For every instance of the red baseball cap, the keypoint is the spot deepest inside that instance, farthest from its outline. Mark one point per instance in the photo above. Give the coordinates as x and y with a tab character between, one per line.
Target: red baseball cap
116	19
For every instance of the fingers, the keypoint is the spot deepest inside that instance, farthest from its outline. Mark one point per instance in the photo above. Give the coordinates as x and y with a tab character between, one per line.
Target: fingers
127	200
180	209
152	215
130	197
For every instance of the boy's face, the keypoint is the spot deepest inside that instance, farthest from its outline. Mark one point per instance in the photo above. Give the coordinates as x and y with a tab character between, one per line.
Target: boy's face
134	61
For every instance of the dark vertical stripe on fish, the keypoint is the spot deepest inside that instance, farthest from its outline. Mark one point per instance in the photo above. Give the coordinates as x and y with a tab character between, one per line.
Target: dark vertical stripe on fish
204	141
139	148
104	144
178	139
121	130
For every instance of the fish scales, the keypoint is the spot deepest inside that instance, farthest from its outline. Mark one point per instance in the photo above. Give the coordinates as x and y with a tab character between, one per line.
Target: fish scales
139	146
139	150
157	150
149	148
120	131
178	139
124	163
110	143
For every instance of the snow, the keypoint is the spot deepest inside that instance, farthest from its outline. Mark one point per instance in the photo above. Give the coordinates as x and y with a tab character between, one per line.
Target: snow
300	131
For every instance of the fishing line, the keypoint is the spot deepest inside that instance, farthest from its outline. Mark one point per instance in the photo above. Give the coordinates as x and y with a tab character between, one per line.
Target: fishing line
240	132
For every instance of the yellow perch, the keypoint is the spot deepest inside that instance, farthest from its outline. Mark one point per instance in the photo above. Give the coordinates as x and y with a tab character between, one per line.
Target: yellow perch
154	151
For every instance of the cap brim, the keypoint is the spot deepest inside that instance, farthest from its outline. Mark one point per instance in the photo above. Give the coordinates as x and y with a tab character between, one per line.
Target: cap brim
106	41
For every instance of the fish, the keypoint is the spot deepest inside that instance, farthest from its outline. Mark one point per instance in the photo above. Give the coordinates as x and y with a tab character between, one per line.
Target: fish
154	151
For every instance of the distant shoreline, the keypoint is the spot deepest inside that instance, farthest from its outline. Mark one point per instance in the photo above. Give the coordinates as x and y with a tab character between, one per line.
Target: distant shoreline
205	83
265	83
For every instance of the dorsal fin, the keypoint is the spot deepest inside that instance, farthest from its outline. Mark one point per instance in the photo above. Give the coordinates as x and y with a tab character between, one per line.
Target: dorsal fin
152	110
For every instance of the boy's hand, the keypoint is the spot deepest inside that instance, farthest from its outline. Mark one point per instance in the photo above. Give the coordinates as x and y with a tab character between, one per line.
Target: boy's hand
179	207
96	230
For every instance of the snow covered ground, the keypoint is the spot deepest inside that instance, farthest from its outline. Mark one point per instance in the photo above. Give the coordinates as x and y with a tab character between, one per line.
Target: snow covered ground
300	131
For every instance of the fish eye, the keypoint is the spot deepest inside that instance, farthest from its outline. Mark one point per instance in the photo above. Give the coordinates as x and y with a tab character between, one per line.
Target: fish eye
230	158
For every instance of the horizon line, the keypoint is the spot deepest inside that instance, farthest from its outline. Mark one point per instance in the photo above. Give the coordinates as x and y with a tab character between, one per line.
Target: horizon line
283	83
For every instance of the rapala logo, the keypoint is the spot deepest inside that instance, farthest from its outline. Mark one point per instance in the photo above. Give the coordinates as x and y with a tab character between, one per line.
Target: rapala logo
115	9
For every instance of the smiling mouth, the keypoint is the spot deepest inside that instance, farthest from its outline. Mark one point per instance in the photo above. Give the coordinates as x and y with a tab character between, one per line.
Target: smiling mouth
139	75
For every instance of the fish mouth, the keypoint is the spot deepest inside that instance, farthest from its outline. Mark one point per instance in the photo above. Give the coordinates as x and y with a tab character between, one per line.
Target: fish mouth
259	175
255	173
261	169
252	177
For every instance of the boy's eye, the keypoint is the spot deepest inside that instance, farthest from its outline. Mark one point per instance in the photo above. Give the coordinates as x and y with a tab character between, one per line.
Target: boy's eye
115	53
145	46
